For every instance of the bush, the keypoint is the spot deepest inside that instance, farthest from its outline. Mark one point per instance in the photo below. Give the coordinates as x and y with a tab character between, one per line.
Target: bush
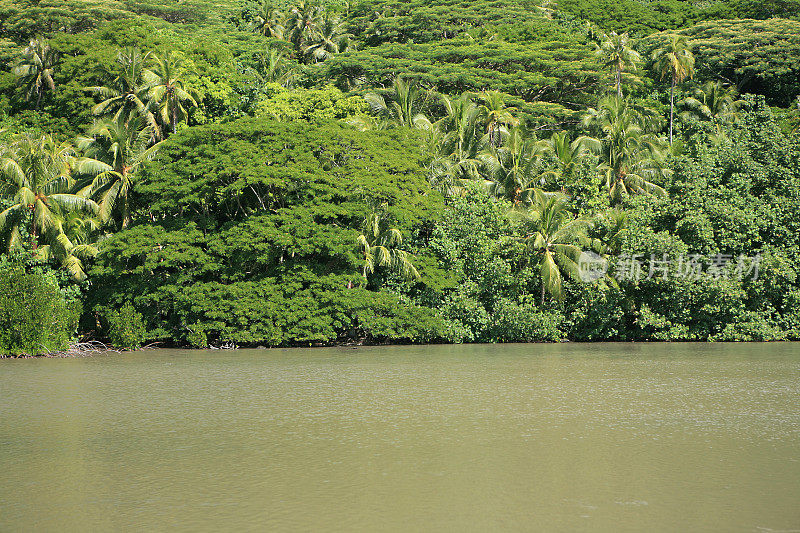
524	322
34	318
125	327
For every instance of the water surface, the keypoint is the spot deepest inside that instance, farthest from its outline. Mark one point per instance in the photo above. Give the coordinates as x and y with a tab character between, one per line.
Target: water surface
571	437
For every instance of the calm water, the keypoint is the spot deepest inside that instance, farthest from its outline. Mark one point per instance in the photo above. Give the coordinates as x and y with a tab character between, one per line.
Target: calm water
674	437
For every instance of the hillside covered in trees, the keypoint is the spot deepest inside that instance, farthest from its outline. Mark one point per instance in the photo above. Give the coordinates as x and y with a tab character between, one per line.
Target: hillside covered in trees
305	173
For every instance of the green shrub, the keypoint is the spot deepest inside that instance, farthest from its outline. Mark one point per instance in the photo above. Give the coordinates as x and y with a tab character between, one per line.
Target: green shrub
315	105
125	327
34	318
525	322
197	337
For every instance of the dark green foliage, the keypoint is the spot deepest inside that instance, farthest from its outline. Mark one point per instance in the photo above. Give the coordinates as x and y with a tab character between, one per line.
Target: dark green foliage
736	194
492	300
754	9
525	322
251	236
757	56
643	18
34	317
739	193
89	59
23	19
126	329
632	16
421	21
557	71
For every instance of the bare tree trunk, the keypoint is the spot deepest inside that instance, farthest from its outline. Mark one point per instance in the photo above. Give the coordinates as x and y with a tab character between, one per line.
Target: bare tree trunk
671	108
618	77
542	292
38	98
34	234
126	211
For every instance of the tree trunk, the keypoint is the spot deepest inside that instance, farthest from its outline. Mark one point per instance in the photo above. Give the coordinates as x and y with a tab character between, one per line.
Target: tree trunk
174	119
542	292
671	108
38	98
34	234
126	211
618	77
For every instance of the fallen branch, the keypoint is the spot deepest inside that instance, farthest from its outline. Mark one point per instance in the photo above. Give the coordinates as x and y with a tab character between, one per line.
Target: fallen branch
85	349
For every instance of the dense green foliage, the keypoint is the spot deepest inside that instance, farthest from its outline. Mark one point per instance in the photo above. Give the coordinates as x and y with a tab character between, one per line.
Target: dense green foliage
643	18
758	56
295	173
34	316
125	326
255	242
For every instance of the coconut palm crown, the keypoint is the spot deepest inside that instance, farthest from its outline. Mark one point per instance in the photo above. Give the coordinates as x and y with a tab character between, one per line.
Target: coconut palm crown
36	68
674	59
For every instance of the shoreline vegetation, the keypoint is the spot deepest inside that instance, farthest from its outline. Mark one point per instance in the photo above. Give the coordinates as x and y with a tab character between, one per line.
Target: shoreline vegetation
96	348
250	173
75	349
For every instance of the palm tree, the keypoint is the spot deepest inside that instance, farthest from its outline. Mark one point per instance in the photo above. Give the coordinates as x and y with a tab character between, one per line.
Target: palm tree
629	156
616	55
457	111
566	154
274	68
74	244
512	169
713	101
380	243
35	69
551	235
167	89
674	59
460	140
497	114
611	226
327	39
129	91
268	21
124	146
300	23
649	119
368	123
36	175
403	108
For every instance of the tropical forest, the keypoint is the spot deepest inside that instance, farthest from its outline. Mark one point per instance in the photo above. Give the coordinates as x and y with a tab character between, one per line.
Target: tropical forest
216	173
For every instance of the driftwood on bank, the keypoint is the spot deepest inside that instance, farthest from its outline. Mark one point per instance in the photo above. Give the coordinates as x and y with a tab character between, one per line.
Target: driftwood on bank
78	349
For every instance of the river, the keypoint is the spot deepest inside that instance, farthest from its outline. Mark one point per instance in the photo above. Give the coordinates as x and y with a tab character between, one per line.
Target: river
565	437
